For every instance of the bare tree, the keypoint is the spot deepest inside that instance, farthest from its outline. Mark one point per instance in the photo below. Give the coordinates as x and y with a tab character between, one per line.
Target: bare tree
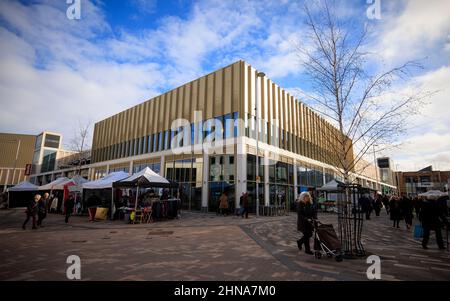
364	108
79	142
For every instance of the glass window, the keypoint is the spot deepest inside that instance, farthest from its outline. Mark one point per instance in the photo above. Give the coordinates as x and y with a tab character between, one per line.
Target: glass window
228	130
48	160
235	121
167	140
251	168
160	141
155	143
52	141
200	132
149	143
156	167
38	142
281	173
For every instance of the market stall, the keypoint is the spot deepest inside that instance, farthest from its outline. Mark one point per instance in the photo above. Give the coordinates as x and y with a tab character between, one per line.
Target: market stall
56	191
103	189
332	191
75	187
148	205
21	194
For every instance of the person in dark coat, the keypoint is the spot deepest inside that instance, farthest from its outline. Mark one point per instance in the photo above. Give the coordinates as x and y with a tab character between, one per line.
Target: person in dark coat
407	208
306	212
395	211
42	208
366	205
430	216
68	207
416	204
378	204
31	211
385	201
244	205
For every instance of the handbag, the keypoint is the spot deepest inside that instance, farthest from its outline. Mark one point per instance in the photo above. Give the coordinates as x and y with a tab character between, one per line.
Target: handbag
418	231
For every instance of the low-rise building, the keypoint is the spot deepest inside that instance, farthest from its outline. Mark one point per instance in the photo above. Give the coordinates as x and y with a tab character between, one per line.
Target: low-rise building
412	183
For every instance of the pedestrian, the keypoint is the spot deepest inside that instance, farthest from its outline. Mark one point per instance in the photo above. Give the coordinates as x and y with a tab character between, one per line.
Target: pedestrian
406	207
385	201
416	204
68	207
223	204
42	209
395	211
306	214
31	211
430	214
366	205
378	204
244	205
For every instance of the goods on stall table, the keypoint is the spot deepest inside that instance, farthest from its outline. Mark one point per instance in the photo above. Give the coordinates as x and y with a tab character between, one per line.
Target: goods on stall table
101	213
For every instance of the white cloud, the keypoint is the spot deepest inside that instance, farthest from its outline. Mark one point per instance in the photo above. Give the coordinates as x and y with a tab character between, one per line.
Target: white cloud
421	29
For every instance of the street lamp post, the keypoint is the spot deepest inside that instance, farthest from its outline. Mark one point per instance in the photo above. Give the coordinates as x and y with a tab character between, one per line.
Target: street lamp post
259	76
376	167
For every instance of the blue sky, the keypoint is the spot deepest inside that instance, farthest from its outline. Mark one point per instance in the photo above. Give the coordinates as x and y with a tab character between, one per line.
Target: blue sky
55	72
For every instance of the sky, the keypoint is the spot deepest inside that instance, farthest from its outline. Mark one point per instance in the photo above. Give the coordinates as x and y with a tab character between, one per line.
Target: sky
56	72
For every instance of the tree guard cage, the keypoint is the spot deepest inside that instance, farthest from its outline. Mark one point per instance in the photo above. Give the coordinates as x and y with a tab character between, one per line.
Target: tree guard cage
350	215
350	219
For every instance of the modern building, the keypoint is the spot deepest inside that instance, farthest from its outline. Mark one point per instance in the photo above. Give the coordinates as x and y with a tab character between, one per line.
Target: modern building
412	183
16	155
51	161
203	136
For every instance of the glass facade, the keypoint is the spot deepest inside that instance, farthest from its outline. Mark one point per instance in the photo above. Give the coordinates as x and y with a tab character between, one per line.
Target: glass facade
221	180
188	173
48	160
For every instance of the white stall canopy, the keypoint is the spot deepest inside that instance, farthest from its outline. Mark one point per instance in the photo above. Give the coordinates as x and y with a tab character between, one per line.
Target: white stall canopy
24	186
57	184
107	181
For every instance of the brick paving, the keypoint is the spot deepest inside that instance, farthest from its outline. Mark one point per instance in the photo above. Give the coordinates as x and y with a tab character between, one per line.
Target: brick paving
202	247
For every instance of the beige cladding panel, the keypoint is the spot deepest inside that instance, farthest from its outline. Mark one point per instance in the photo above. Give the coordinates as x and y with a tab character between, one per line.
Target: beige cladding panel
140	131
187	103
179	106
202	95
227	90
236	87
209	96
9	144
194	99
249	94
218	94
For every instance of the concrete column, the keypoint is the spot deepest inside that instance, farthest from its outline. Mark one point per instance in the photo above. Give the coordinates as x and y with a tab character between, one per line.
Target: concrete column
107	169
90	174
324	181
13	177
295	180
131	168
162	169
1	174
266	179
205	182
241	175
6	180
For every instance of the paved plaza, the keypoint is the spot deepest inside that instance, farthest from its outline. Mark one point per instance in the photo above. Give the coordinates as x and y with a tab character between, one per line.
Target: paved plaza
203	247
